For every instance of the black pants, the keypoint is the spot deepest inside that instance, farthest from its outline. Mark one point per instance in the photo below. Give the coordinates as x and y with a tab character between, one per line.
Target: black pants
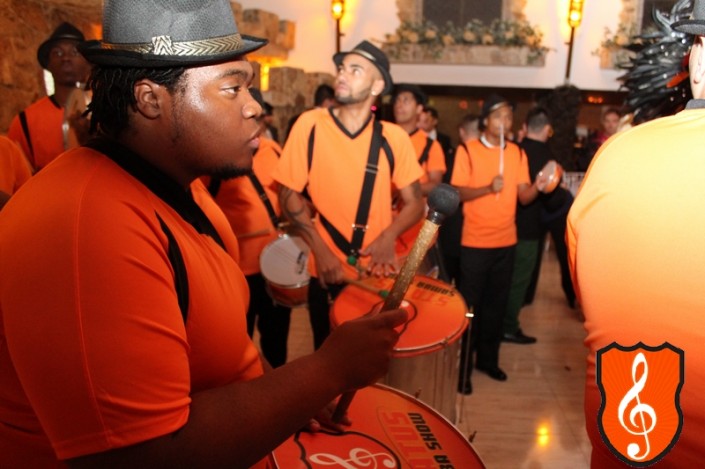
319	301
272	321
485	280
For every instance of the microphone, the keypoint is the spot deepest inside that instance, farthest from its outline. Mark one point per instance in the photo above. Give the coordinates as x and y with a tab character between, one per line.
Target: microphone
443	201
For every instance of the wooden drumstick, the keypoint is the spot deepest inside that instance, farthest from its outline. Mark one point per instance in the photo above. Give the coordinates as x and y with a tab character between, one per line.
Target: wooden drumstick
364	286
442	201
253	234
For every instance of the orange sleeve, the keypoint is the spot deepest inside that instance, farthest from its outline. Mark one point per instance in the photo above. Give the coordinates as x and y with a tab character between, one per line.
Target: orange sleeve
292	169
436	159
406	165
14	167
461	168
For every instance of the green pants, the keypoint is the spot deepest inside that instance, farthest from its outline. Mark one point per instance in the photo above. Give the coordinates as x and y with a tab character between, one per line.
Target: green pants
524	262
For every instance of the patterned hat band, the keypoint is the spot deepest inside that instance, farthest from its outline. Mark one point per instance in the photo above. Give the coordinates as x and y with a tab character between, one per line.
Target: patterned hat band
163	45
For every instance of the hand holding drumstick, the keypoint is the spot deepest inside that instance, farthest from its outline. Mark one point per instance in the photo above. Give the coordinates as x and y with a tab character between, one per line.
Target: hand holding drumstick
442	201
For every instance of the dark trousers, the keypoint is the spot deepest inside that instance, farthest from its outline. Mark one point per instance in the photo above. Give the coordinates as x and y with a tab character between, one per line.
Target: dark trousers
319	301
272	321
486	276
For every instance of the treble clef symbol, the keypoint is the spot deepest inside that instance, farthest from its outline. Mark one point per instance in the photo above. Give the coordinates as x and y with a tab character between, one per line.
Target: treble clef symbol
640	410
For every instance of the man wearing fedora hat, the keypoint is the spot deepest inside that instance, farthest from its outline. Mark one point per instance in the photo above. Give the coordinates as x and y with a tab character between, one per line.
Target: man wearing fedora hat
348	162
635	240
38	129
123	337
491	174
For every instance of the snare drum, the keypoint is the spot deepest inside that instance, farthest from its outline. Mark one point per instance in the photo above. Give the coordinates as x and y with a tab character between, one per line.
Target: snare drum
284	266
555	172
425	361
390	429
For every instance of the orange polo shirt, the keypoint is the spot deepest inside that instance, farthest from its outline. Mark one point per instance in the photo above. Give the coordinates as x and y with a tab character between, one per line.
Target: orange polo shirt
94	351
489	220
45	118
435	162
338	167
246	212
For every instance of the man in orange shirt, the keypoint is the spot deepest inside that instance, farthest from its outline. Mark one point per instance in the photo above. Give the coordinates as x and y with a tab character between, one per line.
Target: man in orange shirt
491	174
252	207
38	129
349	162
637	259
123	338
408	102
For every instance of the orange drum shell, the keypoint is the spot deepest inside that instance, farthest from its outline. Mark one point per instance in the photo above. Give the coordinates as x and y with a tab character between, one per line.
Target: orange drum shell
288	296
437	312
389	429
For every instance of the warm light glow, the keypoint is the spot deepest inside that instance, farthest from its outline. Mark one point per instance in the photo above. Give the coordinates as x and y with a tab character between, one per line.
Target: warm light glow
575	13
543	435
264	76
337	8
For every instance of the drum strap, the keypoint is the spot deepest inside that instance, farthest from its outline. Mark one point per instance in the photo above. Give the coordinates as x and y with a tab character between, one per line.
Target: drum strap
174	196
353	246
265	199
25	129
426	150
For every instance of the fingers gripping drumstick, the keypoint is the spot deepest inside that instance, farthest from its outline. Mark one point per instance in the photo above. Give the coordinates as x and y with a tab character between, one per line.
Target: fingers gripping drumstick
442	202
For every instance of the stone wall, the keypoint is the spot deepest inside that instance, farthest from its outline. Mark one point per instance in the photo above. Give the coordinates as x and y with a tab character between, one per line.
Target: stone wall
25	24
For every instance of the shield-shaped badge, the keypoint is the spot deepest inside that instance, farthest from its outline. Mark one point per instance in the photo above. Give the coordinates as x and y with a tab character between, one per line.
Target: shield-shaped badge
640	418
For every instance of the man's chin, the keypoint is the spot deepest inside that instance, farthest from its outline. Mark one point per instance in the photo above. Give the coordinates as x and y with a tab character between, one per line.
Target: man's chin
230	173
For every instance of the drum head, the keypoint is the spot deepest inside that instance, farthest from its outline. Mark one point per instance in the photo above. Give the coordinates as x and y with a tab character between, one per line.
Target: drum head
554	176
437	312
284	261
390	429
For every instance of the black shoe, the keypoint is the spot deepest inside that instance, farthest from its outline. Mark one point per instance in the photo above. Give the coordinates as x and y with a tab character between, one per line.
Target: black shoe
494	372
518	338
465	387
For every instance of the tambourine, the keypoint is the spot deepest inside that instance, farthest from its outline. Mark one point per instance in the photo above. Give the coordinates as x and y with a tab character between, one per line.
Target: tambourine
554	172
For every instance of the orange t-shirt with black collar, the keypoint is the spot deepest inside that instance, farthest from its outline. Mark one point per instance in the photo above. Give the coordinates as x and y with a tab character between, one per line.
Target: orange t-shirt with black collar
335	178
45	119
94	351
489	220
246	211
434	162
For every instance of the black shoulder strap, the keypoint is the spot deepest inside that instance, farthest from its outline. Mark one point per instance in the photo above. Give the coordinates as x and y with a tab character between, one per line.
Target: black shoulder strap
214	186
177	263
353	246
426	150
265	199
25	129
311	141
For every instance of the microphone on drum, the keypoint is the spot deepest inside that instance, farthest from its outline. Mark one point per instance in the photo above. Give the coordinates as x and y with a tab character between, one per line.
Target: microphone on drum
443	201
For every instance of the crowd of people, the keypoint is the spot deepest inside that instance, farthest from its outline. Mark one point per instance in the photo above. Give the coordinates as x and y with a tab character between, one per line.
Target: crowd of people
130	283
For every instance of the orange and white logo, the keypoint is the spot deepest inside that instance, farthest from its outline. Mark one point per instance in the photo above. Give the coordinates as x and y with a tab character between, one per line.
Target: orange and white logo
640	418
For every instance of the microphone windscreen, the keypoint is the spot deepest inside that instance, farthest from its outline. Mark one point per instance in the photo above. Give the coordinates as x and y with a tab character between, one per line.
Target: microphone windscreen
444	199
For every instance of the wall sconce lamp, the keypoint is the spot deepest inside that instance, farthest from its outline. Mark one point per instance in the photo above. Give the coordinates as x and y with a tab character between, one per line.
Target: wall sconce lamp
575	17
337	8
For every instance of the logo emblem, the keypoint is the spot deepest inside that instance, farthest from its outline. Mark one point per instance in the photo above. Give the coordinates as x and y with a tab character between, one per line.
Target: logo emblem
347	450
640	418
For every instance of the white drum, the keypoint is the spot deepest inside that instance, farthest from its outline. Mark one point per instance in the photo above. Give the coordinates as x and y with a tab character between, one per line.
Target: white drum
284	266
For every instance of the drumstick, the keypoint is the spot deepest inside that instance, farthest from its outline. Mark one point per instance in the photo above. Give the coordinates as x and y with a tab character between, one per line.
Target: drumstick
364	286
501	153
442	201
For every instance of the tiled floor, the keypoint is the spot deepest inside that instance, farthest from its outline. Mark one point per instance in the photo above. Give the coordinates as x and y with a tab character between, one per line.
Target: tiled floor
534	420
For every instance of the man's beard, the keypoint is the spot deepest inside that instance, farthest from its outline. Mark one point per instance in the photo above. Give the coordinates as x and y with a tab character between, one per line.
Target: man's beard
230	172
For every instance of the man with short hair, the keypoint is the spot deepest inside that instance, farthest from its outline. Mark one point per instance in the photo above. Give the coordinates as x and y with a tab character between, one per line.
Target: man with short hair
39	128
637	261
407	102
123	338
491	174
610	125
349	162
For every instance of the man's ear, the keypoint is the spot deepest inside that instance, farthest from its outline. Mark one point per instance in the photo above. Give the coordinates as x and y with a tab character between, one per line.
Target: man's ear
377	87
148	97
698	70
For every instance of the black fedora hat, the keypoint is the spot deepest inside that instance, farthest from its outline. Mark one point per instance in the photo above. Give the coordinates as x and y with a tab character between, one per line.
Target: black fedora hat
180	33
372	53
63	32
696	24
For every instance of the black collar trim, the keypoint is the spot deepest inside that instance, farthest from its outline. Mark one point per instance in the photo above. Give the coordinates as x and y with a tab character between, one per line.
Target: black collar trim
344	130
160	184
